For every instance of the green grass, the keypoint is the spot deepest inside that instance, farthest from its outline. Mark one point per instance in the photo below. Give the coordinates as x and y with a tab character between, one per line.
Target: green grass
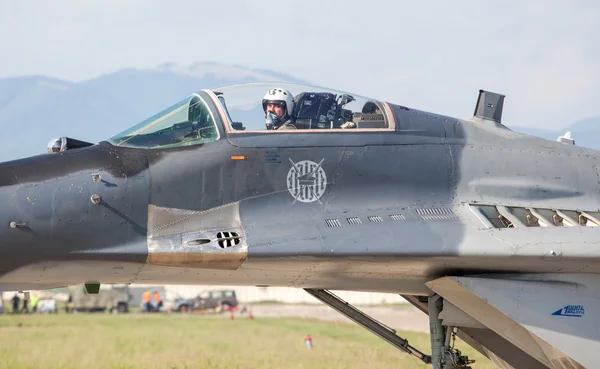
189	341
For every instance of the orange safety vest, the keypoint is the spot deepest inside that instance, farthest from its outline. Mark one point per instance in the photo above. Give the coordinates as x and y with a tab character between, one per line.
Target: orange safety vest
157	296
147	296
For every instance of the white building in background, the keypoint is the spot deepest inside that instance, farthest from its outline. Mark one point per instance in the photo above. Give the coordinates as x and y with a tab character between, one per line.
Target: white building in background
247	295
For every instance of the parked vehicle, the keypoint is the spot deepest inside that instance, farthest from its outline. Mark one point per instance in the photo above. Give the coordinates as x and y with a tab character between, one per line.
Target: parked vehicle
217	300
47	306
115	300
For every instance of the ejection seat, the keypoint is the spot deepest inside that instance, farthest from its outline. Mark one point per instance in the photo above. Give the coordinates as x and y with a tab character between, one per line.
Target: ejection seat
314	110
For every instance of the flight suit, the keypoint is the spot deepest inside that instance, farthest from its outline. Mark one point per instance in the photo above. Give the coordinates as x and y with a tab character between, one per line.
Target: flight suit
287	125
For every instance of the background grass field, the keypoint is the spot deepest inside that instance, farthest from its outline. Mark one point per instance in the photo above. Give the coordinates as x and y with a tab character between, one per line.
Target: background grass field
189	341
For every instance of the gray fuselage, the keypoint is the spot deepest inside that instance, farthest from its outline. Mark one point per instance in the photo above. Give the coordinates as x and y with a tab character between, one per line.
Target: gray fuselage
385	211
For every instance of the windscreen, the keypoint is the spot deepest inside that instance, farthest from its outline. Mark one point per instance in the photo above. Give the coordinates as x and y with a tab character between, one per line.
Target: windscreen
188	122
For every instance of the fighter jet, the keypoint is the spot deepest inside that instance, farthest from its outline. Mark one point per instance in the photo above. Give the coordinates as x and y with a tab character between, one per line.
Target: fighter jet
492	233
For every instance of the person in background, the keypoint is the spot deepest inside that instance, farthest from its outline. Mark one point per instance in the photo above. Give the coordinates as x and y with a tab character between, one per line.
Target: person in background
25	307
147	298
34	303
15	302
69	304
308	341
158	300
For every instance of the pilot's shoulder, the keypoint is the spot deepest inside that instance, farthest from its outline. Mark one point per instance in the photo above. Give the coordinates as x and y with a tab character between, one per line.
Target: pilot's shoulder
287	126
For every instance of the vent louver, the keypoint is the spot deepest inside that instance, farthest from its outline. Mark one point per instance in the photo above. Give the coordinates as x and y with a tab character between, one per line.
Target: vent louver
354	221
436	214
375	219
228	239
333	223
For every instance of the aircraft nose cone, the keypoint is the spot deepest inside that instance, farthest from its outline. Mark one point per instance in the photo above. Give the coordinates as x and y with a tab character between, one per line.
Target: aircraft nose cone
79	206
18	242
44	214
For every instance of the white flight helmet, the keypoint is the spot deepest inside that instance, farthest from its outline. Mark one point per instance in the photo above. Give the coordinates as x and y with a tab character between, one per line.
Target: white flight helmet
278	95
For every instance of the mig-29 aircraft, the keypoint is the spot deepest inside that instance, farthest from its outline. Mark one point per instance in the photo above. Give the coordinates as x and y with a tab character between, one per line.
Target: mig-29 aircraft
492	233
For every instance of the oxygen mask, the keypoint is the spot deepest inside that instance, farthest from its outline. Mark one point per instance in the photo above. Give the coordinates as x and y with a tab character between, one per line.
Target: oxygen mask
272	120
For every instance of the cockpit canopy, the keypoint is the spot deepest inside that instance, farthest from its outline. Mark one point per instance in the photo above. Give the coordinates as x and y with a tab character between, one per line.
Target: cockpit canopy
192	120
313	108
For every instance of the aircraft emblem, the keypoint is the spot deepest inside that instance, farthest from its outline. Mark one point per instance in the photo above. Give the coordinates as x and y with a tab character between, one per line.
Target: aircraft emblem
306	181
570	310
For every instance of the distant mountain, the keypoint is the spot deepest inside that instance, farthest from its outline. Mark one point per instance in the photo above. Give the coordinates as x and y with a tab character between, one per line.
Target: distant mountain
35	109
585	132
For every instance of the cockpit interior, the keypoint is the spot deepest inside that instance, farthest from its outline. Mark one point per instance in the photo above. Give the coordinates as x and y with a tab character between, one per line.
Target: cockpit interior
314	108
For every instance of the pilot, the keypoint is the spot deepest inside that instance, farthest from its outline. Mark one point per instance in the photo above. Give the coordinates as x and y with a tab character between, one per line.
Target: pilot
278	105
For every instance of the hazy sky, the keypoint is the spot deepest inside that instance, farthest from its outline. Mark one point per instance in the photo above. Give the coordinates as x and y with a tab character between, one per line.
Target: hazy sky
544	55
